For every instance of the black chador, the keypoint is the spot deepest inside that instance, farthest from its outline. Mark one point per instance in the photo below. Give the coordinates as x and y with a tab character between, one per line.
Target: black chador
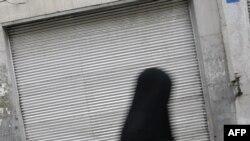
148	118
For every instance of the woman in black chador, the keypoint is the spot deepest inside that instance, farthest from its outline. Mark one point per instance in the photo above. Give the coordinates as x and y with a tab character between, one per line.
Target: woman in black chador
148	118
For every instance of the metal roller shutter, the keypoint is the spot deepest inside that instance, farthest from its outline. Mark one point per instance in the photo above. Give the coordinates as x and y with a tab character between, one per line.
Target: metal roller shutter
76	74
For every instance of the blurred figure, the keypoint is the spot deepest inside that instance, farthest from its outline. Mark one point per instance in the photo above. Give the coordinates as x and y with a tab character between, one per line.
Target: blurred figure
148	118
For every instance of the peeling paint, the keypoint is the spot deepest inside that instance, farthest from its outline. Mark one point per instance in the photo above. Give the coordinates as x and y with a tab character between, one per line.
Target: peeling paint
8	111
5	108
236	39
3	87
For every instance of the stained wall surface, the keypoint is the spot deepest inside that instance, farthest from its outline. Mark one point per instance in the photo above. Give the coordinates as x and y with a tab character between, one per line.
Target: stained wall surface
209	40
236	31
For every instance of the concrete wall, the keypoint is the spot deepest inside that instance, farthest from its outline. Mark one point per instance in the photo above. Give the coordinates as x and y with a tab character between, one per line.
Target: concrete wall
31	8
235	28
209	43
11	123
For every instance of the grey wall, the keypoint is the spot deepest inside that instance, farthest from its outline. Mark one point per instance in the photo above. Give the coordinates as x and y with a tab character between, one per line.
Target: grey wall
235	29
209	40
31	8
11	124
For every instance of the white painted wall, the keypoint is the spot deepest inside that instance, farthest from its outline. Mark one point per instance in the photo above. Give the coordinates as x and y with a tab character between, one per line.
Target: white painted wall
32	8
235	29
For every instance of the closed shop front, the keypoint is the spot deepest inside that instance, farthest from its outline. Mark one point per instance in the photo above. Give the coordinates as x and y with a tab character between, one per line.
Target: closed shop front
76	74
